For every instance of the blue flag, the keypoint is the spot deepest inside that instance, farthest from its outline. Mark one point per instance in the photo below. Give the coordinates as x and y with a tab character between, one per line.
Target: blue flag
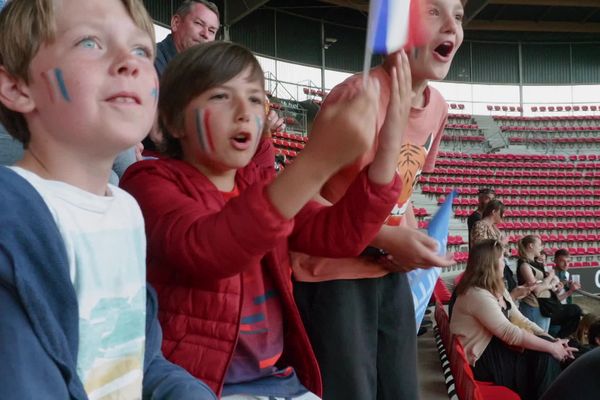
422	281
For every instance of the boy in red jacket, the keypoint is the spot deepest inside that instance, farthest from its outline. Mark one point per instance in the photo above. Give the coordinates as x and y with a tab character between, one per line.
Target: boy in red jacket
219	223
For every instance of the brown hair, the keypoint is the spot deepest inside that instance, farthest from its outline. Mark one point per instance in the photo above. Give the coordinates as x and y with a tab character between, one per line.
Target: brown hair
594	333
584	325
185	7
524	243
191	73
493	205
561	253
25	25
482	268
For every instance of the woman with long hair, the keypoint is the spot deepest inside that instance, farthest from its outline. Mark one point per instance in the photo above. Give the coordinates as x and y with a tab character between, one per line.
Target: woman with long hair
532	273
501	344
487	228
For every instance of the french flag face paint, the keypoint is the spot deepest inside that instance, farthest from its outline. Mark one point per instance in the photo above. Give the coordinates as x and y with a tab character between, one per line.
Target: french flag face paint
56	85
203	130
259	125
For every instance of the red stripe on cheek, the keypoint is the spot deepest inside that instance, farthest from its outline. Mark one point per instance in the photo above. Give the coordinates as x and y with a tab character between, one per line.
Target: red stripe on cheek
207	130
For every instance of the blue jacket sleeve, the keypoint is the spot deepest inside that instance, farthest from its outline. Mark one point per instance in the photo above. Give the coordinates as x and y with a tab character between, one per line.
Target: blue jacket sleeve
26	371
38	306
162	379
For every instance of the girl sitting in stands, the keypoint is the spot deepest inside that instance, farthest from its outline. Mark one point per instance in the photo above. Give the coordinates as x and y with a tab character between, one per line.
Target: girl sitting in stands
502	345
532	273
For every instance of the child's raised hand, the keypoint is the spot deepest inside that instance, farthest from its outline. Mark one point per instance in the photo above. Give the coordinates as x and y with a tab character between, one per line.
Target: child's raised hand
348	126
385	162
398	109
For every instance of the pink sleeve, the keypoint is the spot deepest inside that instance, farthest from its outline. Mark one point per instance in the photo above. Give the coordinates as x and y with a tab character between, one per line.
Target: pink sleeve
199	236
346	228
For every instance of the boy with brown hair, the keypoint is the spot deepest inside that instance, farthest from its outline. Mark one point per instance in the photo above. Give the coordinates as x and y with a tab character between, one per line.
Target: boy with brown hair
77	86
359	311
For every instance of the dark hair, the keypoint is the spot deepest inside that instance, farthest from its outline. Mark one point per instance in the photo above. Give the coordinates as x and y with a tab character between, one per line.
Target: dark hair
186	6
561	253
191	73
492	206
594	333
486	191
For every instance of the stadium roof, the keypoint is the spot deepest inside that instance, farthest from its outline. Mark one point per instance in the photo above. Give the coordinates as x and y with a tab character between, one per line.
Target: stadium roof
511	20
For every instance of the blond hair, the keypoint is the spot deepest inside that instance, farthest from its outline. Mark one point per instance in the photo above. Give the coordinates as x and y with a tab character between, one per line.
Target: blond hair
25	25
524	244
482	268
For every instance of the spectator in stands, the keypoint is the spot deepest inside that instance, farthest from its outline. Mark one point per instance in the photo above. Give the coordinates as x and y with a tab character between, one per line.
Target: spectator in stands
78	322
594	334
194	22
219	223
581	335
487	228
491	329
532	273
561	269
336	296
484	196
579	381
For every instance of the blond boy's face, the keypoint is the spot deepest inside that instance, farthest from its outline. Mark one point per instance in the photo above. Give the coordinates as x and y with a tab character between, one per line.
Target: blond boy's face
94	87
443	24
223	125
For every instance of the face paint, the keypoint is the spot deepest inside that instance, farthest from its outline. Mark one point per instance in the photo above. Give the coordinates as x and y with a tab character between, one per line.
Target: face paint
61	84
416	53
154	92
259	124
203	130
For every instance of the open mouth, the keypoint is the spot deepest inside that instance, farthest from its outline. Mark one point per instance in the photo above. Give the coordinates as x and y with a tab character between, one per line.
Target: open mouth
242	138
444	49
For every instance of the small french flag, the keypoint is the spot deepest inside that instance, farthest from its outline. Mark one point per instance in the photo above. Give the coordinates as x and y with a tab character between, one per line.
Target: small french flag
393	24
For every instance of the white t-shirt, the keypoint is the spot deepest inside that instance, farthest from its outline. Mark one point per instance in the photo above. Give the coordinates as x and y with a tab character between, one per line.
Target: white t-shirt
106	247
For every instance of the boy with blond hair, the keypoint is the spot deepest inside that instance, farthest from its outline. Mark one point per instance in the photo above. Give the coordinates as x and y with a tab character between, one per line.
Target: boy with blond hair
77	86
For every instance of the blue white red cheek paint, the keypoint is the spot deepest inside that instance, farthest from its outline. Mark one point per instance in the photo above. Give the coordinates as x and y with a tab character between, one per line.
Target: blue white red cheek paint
259	125
203	130
416	53
55	83
154	93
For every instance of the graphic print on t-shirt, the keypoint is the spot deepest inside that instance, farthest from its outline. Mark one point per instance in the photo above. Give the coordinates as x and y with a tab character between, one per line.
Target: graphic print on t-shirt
410	165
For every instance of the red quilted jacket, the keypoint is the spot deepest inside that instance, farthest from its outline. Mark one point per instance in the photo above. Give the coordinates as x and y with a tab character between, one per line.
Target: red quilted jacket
198	246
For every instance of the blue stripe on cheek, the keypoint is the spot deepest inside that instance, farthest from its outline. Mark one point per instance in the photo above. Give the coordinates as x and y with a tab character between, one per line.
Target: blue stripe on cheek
61	84
252	319
259	124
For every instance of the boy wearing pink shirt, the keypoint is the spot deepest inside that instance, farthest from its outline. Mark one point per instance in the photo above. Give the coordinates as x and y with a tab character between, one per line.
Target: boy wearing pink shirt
359	312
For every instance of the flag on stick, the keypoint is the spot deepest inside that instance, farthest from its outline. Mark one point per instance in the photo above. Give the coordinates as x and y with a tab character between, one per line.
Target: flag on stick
422	281
393	24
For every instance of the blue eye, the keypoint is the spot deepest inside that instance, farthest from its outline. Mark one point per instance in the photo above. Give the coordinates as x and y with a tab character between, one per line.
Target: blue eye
141	52
88	43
